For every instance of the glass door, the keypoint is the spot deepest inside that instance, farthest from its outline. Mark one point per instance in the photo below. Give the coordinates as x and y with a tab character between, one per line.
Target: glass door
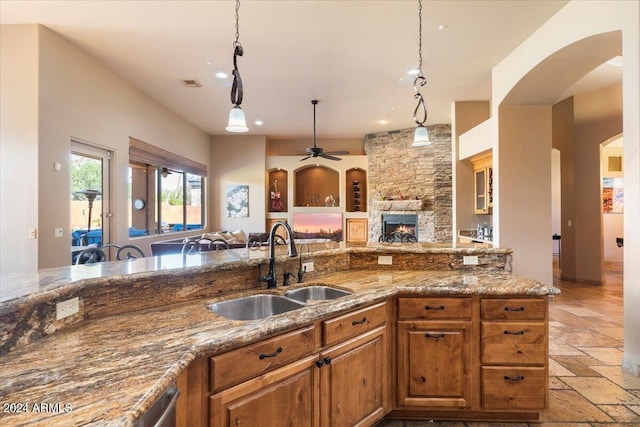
89	206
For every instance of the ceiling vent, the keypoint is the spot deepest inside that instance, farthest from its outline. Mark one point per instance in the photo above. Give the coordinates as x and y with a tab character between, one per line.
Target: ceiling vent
192	83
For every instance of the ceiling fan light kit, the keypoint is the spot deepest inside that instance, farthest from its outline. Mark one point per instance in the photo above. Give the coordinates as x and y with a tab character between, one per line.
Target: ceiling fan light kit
420	136
237	121
316	151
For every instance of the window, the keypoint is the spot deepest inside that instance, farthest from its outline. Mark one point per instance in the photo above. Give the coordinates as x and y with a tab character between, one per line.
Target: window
166	191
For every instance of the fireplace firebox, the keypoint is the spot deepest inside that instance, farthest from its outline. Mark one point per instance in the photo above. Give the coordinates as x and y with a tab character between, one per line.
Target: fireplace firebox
399	228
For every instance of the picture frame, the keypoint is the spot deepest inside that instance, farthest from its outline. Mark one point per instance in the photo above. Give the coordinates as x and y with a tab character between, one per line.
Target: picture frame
238	201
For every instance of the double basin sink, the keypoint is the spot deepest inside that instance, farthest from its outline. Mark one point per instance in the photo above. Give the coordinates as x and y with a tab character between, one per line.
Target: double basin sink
260	306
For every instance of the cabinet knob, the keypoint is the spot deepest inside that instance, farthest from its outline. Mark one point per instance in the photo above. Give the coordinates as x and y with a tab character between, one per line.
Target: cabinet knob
327	360
319	363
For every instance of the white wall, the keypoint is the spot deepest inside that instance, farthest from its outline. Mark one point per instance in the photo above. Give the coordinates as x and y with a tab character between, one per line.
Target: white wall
576	21
18	147
79	98
235	160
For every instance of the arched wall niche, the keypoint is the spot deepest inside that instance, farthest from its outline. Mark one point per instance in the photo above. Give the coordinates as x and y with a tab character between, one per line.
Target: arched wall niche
314	184
278	190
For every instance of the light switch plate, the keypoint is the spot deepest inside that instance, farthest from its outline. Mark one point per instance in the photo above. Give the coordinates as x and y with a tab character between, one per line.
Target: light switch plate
58	232
307	266
33	233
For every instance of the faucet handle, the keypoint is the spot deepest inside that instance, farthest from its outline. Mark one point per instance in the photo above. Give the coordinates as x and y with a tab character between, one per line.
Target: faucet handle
287	278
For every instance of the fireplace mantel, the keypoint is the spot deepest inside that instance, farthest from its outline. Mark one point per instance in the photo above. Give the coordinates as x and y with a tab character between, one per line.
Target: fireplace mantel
397	205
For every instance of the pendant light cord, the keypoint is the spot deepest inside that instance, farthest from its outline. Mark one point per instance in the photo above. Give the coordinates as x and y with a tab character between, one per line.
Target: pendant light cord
236	87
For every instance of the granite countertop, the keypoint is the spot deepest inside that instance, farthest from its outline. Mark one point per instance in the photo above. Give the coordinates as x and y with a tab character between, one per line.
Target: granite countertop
107	372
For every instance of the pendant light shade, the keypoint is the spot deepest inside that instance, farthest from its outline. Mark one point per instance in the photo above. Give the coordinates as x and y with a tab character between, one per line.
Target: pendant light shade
237	122
421	137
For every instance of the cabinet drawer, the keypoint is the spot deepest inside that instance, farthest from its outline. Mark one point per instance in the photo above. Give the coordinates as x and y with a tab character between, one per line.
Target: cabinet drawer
247	362
514	309
514	388
517	343
434	308
355	323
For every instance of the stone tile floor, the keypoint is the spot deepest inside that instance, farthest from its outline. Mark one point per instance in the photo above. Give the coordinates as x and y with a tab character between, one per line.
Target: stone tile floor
587	386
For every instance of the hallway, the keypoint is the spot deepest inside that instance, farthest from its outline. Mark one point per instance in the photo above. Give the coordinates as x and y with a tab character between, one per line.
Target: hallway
587	386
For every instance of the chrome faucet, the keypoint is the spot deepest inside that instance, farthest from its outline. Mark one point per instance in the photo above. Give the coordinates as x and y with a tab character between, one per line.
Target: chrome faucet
301	271
270	278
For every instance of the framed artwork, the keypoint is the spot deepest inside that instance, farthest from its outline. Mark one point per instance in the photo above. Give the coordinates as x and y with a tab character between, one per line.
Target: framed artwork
237	201
612	195
318	226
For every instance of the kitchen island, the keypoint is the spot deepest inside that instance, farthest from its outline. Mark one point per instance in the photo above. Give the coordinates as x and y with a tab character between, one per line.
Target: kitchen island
144	324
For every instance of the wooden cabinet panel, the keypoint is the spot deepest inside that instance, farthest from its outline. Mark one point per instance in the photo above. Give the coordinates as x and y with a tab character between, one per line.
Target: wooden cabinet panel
231	368
514	388
353	381
357	230
354	323
514	343
284	397
434	308
434	359
514	309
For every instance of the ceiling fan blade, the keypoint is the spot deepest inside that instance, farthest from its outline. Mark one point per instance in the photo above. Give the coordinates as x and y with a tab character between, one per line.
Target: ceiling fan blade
337	152
305	158
327	156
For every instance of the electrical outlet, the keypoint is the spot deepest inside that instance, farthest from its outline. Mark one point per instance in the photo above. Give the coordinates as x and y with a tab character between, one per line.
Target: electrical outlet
67	308
58	232
307	266
385	260
33	233
470	260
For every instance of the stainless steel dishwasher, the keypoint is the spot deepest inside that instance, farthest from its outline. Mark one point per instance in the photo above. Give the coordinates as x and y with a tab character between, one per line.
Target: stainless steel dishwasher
163	411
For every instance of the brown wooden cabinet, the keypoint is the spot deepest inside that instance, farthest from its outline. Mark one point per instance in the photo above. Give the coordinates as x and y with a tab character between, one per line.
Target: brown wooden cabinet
357	230
483	184
434	352
514	353
276	382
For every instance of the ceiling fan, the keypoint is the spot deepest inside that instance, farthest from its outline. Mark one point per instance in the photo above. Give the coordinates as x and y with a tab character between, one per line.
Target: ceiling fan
316	151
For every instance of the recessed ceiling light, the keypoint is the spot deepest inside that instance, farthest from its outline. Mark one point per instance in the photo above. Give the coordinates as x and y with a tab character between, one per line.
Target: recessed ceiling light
442	27
258	122
209	63
406	79
413	72
383	121
221	75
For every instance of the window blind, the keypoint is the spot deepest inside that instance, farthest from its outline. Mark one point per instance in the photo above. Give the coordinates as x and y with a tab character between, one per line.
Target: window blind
142	152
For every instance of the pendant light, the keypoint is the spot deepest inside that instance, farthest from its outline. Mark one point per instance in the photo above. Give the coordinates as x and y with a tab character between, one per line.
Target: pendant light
237	121
420	136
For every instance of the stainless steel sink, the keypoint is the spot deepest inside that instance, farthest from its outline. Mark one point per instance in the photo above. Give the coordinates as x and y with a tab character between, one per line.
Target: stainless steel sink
254	307
316	293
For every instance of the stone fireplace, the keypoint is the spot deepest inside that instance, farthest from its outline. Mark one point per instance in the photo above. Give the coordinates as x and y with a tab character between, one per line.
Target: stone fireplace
406	180
399	226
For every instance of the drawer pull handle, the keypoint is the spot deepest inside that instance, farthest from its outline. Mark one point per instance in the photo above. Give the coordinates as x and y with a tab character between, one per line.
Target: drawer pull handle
428	307
521	308
514	333
359	322
518	378
436	336
274	354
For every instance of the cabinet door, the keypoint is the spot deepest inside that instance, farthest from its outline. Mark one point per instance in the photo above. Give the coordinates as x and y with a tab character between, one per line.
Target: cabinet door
434	359
354	381
357	230
284	397
480	186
